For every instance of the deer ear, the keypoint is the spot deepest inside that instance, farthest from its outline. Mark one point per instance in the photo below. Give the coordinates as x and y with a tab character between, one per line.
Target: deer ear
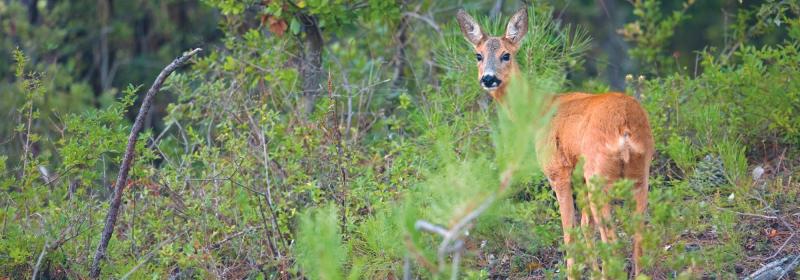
472	31
517	26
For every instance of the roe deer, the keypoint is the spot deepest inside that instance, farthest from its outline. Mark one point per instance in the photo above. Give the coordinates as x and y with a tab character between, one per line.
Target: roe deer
610	131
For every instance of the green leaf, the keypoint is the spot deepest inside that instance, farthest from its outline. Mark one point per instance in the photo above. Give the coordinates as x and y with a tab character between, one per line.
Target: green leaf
295	26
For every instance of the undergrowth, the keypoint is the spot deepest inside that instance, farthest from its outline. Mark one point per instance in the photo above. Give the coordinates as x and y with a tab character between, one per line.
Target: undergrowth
237	184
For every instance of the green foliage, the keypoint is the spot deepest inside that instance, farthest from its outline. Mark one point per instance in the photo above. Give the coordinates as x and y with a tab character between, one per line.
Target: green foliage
523	116
680	150
30	84
92	135
319	249
652	31
60	217
230	7
230	182
84	52
708	126
751	100
733	158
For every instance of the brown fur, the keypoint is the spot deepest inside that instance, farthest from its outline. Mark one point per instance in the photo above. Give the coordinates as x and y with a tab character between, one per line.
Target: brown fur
610	131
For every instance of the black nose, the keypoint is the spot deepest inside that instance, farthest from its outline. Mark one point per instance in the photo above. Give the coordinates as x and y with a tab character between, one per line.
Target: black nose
490	81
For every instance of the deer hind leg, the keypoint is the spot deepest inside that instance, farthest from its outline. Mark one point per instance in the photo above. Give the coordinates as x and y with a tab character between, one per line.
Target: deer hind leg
640	196
639	170
609	170
586	223
588	234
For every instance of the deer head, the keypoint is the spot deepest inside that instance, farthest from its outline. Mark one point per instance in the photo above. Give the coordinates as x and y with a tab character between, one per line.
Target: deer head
495	55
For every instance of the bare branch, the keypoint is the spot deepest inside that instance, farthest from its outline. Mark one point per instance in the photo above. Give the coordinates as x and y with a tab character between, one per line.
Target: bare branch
426	226
39	260
127	159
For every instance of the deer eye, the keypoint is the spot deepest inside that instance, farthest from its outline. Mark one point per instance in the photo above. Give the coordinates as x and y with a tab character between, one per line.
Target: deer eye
479	57
506	57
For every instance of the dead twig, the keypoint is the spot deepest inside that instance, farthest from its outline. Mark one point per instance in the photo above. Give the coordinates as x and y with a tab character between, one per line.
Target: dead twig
775	270
452	242
780	249
337	138
268	195
39	260
127	159
218	244
790	238
748	214
427	19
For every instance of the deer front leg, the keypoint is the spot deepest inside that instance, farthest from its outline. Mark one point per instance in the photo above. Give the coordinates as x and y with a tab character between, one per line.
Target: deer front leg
563	190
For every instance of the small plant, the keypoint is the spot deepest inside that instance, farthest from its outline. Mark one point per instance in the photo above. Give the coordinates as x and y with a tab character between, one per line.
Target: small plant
733	156
709	175
320	251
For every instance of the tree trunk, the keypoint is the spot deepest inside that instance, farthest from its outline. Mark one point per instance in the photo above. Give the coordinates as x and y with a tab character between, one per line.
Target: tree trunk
399	60
616	48
103	14
311	68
